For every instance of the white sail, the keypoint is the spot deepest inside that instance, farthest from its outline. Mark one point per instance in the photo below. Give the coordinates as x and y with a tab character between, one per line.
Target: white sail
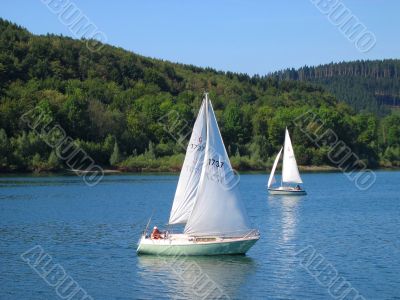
271	179
218	210
290	172
191	170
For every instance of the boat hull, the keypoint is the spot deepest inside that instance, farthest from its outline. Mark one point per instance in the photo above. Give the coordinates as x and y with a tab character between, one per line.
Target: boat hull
175	248
292	192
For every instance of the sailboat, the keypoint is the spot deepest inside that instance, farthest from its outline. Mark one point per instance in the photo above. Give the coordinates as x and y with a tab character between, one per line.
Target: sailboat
206	201
290	172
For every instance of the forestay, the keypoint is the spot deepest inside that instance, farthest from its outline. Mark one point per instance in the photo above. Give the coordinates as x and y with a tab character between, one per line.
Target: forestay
271	179
191	170
290	172
218	210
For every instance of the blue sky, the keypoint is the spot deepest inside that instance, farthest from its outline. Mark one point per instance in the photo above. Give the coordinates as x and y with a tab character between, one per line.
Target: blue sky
250	36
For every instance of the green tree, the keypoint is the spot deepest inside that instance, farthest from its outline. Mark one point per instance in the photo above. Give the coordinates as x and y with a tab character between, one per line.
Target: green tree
5	150
53	161
115	157
391	130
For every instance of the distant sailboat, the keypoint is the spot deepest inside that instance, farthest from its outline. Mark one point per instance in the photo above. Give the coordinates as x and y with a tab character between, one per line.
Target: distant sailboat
215	218
290	172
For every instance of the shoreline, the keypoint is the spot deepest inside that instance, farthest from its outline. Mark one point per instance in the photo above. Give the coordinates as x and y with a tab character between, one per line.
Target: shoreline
159	171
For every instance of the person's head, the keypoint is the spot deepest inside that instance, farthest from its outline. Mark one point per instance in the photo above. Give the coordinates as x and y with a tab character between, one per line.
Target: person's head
155	227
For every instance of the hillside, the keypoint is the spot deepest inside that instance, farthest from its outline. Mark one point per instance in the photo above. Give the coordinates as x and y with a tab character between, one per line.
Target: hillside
131	112
365	85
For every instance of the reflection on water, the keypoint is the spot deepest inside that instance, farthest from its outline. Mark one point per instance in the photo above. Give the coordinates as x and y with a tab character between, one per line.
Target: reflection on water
285	243
193	277
289	214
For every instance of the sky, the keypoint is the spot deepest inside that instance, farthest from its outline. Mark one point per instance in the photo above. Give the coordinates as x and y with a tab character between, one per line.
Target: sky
247	36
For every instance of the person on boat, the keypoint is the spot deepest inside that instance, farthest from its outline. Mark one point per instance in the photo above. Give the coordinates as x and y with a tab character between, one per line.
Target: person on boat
297	188
155	234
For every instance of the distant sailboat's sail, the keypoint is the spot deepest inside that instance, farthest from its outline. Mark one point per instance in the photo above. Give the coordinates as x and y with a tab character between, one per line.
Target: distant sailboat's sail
271	179
218	210
191	170
290	172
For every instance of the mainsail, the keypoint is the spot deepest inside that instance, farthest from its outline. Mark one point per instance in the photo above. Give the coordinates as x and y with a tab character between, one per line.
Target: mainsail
271	179
290	172
218	210
191	170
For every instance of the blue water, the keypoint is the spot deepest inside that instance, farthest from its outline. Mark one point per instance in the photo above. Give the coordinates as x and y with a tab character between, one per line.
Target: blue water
92	233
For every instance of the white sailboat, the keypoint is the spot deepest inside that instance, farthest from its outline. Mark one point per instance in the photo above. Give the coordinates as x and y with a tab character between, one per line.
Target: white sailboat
215	218
290	172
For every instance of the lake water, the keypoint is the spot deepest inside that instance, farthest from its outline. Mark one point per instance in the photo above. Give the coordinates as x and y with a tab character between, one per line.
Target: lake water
91	232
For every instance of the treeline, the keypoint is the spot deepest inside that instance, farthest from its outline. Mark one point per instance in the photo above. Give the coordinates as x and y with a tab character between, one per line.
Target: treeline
365	85
134	113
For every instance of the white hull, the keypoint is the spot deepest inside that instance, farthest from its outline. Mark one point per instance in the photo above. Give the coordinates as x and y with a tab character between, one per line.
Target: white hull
181	244
286	191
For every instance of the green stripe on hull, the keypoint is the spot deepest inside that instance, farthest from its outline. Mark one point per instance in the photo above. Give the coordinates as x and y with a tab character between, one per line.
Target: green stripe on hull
236	247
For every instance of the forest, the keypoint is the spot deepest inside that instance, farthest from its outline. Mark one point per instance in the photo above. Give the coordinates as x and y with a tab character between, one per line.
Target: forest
134	113
372	86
